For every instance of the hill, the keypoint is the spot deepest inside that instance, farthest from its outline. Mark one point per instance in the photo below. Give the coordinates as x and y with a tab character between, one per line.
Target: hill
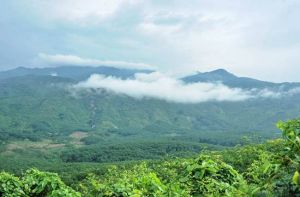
43	119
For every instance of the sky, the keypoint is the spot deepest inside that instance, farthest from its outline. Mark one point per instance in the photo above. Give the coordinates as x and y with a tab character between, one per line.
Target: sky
253	38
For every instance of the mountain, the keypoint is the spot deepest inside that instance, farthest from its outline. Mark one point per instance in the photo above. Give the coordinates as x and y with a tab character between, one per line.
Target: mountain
74	72
229	79
79	73
44	116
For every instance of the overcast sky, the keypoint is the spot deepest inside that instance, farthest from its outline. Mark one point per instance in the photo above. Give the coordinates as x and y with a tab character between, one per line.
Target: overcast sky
256	38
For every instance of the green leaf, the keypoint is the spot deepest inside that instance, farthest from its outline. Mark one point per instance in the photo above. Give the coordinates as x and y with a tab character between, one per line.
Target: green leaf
296	178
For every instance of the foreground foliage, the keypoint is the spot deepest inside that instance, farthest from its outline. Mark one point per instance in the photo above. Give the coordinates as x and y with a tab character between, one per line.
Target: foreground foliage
34	183
270	169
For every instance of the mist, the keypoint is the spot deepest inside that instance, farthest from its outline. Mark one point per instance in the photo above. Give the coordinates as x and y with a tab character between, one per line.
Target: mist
160	86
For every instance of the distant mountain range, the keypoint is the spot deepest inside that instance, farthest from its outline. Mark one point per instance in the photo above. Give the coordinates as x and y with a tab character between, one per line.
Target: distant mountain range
73	72
79	73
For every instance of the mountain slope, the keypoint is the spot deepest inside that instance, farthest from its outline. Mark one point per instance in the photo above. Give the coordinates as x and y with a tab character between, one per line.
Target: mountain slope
30	102
45	113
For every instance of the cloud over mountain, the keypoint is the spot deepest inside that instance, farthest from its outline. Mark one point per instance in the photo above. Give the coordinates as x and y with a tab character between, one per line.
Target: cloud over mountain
159	86
61	60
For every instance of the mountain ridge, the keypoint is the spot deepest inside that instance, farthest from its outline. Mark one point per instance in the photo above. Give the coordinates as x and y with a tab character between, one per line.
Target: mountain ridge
73	72
231	80
80	73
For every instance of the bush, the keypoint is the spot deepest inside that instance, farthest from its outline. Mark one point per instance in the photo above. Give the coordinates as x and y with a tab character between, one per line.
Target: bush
35	183
211	176
10	185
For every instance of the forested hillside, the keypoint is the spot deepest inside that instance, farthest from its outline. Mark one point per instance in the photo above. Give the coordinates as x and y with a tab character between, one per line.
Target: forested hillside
47	123
269	169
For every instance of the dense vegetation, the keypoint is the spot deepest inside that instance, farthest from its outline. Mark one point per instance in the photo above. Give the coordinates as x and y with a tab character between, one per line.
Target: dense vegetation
44	122
269	169
48	125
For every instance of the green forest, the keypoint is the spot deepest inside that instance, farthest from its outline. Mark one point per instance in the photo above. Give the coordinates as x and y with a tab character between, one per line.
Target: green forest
59	141
267	169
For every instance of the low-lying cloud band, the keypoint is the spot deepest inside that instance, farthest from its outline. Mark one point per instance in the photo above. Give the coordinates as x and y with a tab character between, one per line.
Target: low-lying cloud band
159	86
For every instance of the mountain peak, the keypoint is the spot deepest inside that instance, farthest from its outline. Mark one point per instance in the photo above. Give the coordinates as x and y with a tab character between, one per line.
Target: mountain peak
21	68
227	78
221	72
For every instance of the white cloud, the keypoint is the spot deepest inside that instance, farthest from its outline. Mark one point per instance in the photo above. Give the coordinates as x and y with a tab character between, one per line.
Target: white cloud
166	30
278	93
253	38
159	86
293	91
54	74
81	11
72	60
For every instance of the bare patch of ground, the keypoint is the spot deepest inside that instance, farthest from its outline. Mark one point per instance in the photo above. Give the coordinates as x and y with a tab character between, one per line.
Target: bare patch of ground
44	144
77	136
